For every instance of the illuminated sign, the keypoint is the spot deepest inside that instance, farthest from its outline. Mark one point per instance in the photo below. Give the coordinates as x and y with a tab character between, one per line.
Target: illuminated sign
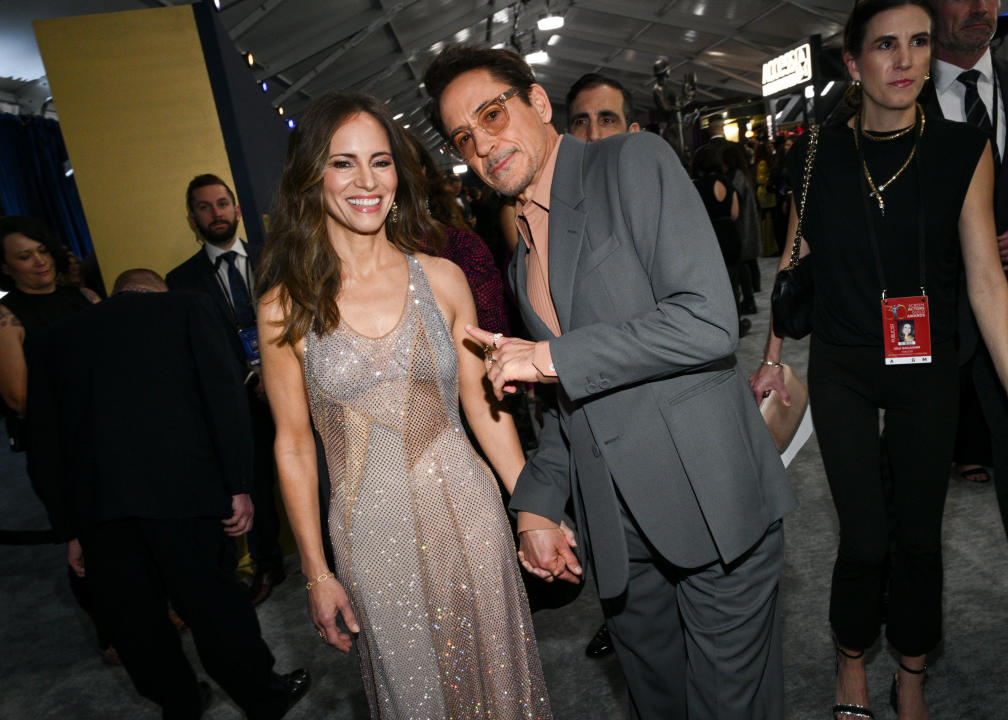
785	71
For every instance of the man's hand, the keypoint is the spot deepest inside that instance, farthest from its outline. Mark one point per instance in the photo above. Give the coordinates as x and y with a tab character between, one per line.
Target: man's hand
75	557
767	379
240	521
1002	241
546	553
509	361
326	600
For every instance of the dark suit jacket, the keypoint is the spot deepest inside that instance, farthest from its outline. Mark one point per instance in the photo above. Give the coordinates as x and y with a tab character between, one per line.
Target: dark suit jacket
197	274
650	402
969	333
135	410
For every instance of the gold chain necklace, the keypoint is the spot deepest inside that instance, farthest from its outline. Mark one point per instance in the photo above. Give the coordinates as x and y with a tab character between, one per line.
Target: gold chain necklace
876	192
873	136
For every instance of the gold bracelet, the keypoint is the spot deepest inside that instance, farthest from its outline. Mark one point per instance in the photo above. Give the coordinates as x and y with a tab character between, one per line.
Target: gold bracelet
770	363
316	581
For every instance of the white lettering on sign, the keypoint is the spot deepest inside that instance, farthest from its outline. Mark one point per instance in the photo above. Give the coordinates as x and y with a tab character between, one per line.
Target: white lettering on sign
792	68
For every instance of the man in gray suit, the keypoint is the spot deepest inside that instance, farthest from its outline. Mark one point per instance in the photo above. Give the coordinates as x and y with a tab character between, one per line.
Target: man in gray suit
676	485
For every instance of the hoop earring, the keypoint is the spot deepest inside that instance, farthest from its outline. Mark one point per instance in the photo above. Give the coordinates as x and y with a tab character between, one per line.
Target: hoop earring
927	76
394	212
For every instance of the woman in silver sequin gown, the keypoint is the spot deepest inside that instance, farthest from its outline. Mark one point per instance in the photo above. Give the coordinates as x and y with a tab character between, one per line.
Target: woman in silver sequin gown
365	335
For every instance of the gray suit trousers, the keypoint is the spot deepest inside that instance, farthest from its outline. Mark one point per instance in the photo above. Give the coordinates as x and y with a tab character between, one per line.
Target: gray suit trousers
703	643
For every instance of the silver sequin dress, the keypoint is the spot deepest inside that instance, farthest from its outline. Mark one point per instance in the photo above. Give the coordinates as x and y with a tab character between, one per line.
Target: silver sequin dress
420	537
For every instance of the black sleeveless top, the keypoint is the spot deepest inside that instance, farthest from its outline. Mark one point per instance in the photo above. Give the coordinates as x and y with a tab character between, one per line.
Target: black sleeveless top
37	311
847	290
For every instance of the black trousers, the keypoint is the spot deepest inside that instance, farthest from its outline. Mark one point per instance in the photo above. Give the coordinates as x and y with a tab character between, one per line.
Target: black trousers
847	389
994	403
134	568
263	538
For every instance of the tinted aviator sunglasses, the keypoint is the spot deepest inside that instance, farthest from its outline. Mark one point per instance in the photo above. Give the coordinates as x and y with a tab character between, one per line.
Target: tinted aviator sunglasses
492	118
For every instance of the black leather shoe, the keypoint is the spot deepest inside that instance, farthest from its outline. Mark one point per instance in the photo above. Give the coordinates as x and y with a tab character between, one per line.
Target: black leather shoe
263	584
295	685
744	325
600	645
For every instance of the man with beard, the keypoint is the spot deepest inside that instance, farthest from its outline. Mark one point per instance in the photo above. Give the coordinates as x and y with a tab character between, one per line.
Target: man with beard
224	268
969	85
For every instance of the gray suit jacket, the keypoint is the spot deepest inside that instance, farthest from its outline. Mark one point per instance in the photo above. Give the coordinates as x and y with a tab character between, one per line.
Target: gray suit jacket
650	404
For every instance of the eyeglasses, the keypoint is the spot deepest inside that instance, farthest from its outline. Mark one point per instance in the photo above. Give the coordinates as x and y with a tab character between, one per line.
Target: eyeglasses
492	118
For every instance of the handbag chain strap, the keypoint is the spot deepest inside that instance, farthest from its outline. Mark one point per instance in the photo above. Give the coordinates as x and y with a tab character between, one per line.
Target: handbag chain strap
809	163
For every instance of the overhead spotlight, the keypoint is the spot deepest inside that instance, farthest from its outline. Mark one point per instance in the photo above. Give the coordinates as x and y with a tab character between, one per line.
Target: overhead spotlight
216	4
249	59
460	169
280	110
406	126
264	86
398	116
291	123
550	22
535	56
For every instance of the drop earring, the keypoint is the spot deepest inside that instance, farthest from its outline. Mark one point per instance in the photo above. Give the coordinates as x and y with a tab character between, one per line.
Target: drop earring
394	212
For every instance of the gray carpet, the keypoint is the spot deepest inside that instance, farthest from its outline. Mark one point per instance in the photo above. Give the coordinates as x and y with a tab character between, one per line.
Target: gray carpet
50	667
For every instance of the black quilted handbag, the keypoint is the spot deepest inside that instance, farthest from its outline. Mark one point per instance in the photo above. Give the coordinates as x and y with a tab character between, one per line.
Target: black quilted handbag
791	299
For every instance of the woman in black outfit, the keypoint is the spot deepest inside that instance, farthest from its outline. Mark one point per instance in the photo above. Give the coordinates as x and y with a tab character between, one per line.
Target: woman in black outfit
897	205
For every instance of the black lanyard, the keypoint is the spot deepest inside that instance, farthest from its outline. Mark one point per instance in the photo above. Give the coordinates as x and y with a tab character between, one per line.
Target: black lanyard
870	215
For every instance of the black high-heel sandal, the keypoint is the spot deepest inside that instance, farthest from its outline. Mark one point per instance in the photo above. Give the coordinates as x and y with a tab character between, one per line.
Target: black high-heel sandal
894	688
848	709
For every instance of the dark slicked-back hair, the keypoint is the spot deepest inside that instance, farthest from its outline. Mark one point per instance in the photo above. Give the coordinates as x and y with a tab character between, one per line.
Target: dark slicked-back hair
865	10
204	180
854	36
299	258
594	80
504	65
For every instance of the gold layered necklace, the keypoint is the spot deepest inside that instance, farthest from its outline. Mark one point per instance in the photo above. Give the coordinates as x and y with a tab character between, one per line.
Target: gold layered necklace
876	191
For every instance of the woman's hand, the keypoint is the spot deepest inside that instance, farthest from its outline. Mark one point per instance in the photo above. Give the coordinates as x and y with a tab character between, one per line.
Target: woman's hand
767	379
326	600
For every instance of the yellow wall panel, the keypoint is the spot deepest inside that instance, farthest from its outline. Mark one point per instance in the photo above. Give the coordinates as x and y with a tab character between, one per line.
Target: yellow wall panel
139	120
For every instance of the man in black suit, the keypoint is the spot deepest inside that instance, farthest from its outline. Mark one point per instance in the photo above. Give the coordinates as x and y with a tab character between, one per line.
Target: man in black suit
224	269
969	85
140	447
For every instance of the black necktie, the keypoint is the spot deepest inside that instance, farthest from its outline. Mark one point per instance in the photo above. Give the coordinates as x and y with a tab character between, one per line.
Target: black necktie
976	111
239	293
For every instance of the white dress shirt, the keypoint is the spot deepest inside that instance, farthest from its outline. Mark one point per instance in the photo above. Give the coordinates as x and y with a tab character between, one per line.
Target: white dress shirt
952	93
241	262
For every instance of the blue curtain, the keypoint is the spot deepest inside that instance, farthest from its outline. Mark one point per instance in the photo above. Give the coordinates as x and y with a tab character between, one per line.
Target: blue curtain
33	180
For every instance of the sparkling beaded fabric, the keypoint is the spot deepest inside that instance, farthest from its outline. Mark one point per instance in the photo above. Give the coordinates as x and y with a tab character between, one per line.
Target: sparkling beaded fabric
419	533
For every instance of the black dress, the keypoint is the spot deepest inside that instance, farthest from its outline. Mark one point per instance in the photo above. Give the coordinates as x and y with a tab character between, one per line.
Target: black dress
849	384
720	215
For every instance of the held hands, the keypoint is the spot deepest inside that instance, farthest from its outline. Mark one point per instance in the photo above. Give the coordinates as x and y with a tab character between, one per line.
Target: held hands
242	511
766	379
1002	242
508	361
546	553
326	600
75	557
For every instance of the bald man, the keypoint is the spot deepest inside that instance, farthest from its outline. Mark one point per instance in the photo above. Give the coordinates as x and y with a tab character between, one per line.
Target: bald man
140	447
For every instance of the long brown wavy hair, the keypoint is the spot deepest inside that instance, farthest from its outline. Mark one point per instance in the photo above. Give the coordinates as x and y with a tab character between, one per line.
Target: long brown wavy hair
299	259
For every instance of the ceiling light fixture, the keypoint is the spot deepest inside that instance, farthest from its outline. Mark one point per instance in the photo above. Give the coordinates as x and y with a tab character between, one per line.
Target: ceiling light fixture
249	59
550	22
